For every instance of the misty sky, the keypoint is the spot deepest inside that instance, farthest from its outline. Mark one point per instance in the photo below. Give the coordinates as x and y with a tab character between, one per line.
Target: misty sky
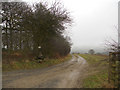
94	21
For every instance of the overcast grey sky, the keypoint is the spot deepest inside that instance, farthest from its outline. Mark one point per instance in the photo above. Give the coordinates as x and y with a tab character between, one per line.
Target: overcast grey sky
94	22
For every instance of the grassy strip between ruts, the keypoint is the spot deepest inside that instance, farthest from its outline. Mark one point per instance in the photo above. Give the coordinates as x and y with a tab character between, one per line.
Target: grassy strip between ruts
97	74
26	64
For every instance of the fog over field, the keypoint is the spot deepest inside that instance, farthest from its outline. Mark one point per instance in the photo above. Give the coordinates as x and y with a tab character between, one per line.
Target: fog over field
94	21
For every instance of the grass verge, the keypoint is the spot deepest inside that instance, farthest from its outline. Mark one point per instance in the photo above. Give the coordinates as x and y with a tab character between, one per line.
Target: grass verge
97	73
27	64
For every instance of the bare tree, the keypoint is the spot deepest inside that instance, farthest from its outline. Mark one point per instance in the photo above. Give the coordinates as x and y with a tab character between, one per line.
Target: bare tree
111	45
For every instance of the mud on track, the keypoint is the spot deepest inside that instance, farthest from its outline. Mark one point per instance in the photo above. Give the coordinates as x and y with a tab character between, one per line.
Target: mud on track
65	75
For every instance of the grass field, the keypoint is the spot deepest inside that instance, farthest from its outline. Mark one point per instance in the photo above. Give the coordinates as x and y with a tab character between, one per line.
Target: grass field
28	64
97	72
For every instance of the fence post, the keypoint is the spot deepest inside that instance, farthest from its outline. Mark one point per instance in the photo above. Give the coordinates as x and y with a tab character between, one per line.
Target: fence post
113	68
109	71
118	69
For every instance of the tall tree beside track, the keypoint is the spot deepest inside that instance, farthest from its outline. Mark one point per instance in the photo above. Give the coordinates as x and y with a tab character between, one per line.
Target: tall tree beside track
25	28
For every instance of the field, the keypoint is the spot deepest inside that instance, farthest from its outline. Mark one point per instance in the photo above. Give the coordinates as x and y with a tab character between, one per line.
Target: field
97	72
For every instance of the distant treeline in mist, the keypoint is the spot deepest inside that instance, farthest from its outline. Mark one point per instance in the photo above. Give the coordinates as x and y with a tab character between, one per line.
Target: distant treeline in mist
25	28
